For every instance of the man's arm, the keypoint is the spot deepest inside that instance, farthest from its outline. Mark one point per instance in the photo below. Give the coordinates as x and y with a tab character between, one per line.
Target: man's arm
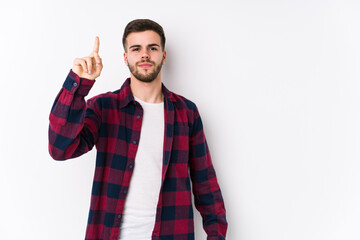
207	194
73	123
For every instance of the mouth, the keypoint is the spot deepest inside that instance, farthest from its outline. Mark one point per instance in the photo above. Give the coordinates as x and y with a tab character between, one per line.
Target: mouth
145	65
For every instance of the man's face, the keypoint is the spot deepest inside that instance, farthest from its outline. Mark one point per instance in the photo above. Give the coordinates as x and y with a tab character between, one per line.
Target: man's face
144	55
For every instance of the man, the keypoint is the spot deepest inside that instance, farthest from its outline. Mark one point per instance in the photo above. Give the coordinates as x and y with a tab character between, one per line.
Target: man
150	142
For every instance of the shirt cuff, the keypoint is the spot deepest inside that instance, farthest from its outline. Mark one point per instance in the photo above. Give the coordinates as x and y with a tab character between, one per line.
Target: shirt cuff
74	83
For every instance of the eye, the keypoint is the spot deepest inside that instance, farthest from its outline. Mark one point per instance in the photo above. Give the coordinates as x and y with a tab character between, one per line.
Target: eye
153	49
135	49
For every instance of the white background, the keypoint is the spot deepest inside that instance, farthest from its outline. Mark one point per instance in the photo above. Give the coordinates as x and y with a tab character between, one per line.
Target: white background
276	83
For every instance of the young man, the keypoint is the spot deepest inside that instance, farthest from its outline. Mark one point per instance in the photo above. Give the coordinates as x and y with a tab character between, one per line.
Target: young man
150	142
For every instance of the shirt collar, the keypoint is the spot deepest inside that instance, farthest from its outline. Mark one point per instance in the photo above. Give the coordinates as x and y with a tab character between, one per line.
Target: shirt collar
126	96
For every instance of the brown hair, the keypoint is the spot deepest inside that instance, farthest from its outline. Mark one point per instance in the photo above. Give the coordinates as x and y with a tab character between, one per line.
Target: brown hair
140	25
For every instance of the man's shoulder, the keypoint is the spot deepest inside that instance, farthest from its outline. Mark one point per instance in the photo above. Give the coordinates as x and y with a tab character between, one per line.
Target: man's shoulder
107	100
121	96
109	94
182	102
118	93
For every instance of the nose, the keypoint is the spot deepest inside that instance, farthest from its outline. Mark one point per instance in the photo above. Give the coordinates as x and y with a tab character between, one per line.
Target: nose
145	55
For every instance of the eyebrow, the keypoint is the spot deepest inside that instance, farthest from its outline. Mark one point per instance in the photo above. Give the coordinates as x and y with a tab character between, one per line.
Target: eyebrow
150	45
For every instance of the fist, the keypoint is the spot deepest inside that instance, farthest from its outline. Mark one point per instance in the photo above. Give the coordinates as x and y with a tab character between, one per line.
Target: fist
89	67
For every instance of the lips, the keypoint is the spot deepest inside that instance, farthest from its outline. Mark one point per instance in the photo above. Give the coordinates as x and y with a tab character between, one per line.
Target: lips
145	65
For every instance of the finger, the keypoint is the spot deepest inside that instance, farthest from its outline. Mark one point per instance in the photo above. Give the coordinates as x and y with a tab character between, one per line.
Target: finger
97	58
97	44
89	64
81	62
99	67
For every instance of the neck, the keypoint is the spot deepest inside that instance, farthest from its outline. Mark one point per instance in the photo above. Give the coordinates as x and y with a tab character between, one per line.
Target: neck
147	91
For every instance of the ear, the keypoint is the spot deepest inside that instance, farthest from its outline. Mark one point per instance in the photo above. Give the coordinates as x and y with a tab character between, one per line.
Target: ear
125	59
164	57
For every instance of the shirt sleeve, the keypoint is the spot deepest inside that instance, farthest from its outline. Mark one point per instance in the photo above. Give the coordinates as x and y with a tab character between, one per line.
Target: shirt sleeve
74	123
207	195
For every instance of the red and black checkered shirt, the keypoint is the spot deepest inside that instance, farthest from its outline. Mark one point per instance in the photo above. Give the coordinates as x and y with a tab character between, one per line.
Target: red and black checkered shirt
112	122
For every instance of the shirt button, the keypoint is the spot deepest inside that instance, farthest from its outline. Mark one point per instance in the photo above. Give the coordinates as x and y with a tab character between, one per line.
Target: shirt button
124	191
134	142
138	116
119	216
130	166
75	84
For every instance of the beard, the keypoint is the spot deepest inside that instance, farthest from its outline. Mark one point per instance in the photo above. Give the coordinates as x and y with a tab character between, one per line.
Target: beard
148	77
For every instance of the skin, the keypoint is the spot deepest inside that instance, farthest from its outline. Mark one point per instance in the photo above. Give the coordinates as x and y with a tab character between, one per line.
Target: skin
144	57
140	48
89	67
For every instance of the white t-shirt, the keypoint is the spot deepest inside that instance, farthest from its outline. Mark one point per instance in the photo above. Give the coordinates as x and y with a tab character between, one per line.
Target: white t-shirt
140	206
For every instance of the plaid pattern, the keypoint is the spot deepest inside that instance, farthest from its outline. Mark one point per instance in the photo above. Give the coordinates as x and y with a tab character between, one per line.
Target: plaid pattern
112	122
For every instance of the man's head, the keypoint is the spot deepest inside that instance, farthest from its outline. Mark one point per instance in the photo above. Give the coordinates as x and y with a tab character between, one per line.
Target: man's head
141	25
144	43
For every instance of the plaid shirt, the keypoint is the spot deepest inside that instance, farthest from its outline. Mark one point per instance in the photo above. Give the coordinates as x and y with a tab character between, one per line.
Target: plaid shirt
112	122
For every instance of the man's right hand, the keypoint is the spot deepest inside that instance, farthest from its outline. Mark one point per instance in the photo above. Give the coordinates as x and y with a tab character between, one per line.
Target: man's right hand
89	67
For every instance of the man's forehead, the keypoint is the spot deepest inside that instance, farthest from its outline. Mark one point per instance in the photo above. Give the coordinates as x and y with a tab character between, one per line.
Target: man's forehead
145	37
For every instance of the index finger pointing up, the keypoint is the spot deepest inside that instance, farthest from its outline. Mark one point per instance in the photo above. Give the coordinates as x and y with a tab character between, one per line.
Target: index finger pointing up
96	46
